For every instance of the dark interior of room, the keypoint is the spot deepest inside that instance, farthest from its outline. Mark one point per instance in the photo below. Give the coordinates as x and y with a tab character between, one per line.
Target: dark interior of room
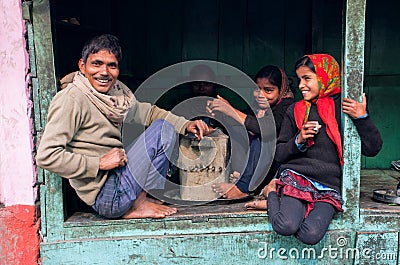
246	34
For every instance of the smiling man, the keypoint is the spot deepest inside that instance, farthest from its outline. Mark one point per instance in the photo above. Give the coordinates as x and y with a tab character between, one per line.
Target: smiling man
82	138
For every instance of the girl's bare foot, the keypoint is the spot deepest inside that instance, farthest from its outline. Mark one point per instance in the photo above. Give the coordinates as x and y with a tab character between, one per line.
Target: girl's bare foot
262	204
234	177
267	189
256	205
229	191
143	208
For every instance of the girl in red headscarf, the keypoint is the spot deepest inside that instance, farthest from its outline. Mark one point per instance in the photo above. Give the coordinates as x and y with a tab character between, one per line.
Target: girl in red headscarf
303	200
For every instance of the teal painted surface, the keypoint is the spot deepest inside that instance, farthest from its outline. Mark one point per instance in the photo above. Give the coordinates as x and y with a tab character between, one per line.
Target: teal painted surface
379	221
352	72
247	248
44	90
90	227
377	248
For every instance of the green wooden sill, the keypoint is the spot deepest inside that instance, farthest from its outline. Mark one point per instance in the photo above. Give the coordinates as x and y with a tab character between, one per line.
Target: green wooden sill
234	218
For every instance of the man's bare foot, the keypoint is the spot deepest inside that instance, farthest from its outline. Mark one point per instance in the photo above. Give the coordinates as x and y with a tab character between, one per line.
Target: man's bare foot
229	191
143	208
256	205
154	200
234	177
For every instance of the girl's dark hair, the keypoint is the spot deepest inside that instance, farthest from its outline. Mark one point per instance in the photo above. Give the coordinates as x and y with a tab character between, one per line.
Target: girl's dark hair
272	74
306	61
103	42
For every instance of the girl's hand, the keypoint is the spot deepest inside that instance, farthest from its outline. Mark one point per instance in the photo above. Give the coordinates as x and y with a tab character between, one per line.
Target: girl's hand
267	189
223	106
354	108
220	104
308	131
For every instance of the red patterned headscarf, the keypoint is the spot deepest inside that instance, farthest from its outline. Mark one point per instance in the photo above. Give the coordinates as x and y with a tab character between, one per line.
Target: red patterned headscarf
328	75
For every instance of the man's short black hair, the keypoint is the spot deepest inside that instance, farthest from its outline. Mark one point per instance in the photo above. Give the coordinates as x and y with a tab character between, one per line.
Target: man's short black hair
102	42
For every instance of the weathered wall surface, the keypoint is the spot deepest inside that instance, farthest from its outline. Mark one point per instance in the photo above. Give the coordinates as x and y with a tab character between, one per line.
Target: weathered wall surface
19	241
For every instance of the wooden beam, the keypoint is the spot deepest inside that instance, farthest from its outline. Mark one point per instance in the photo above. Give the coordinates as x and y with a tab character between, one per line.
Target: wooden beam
50	192
352	85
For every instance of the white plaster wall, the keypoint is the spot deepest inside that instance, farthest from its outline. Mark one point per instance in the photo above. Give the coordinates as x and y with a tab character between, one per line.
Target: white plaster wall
17	173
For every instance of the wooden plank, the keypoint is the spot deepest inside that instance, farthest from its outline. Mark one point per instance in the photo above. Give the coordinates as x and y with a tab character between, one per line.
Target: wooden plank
384	42
379	222
232	19
297	36
90	9
201	219
264	35
317	26
47	84
211	210
352	79
327	27
226	248
219	217
131	30
200	30
383	81
163	24
333	11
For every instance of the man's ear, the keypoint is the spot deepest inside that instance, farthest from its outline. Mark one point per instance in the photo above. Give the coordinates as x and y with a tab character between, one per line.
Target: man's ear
81	65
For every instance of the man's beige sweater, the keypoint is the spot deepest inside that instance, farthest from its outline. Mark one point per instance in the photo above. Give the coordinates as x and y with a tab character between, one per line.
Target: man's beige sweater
77	134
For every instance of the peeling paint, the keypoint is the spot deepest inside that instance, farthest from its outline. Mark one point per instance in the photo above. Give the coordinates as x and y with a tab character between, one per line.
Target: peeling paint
19	228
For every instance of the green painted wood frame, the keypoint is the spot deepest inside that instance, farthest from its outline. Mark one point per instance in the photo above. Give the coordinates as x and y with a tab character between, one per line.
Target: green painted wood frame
52	213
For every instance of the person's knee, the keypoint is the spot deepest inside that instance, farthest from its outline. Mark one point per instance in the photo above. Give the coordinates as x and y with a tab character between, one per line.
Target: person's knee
162	124
310	235
284	226
166	129
112	211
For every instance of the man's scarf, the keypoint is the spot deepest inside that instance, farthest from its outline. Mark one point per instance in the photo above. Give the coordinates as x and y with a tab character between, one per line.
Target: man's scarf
114	104
328	75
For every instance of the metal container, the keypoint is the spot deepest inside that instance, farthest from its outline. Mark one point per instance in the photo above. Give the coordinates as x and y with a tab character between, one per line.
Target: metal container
202	164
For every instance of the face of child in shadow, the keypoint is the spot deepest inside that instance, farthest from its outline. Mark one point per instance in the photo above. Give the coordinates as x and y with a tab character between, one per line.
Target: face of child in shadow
203	89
